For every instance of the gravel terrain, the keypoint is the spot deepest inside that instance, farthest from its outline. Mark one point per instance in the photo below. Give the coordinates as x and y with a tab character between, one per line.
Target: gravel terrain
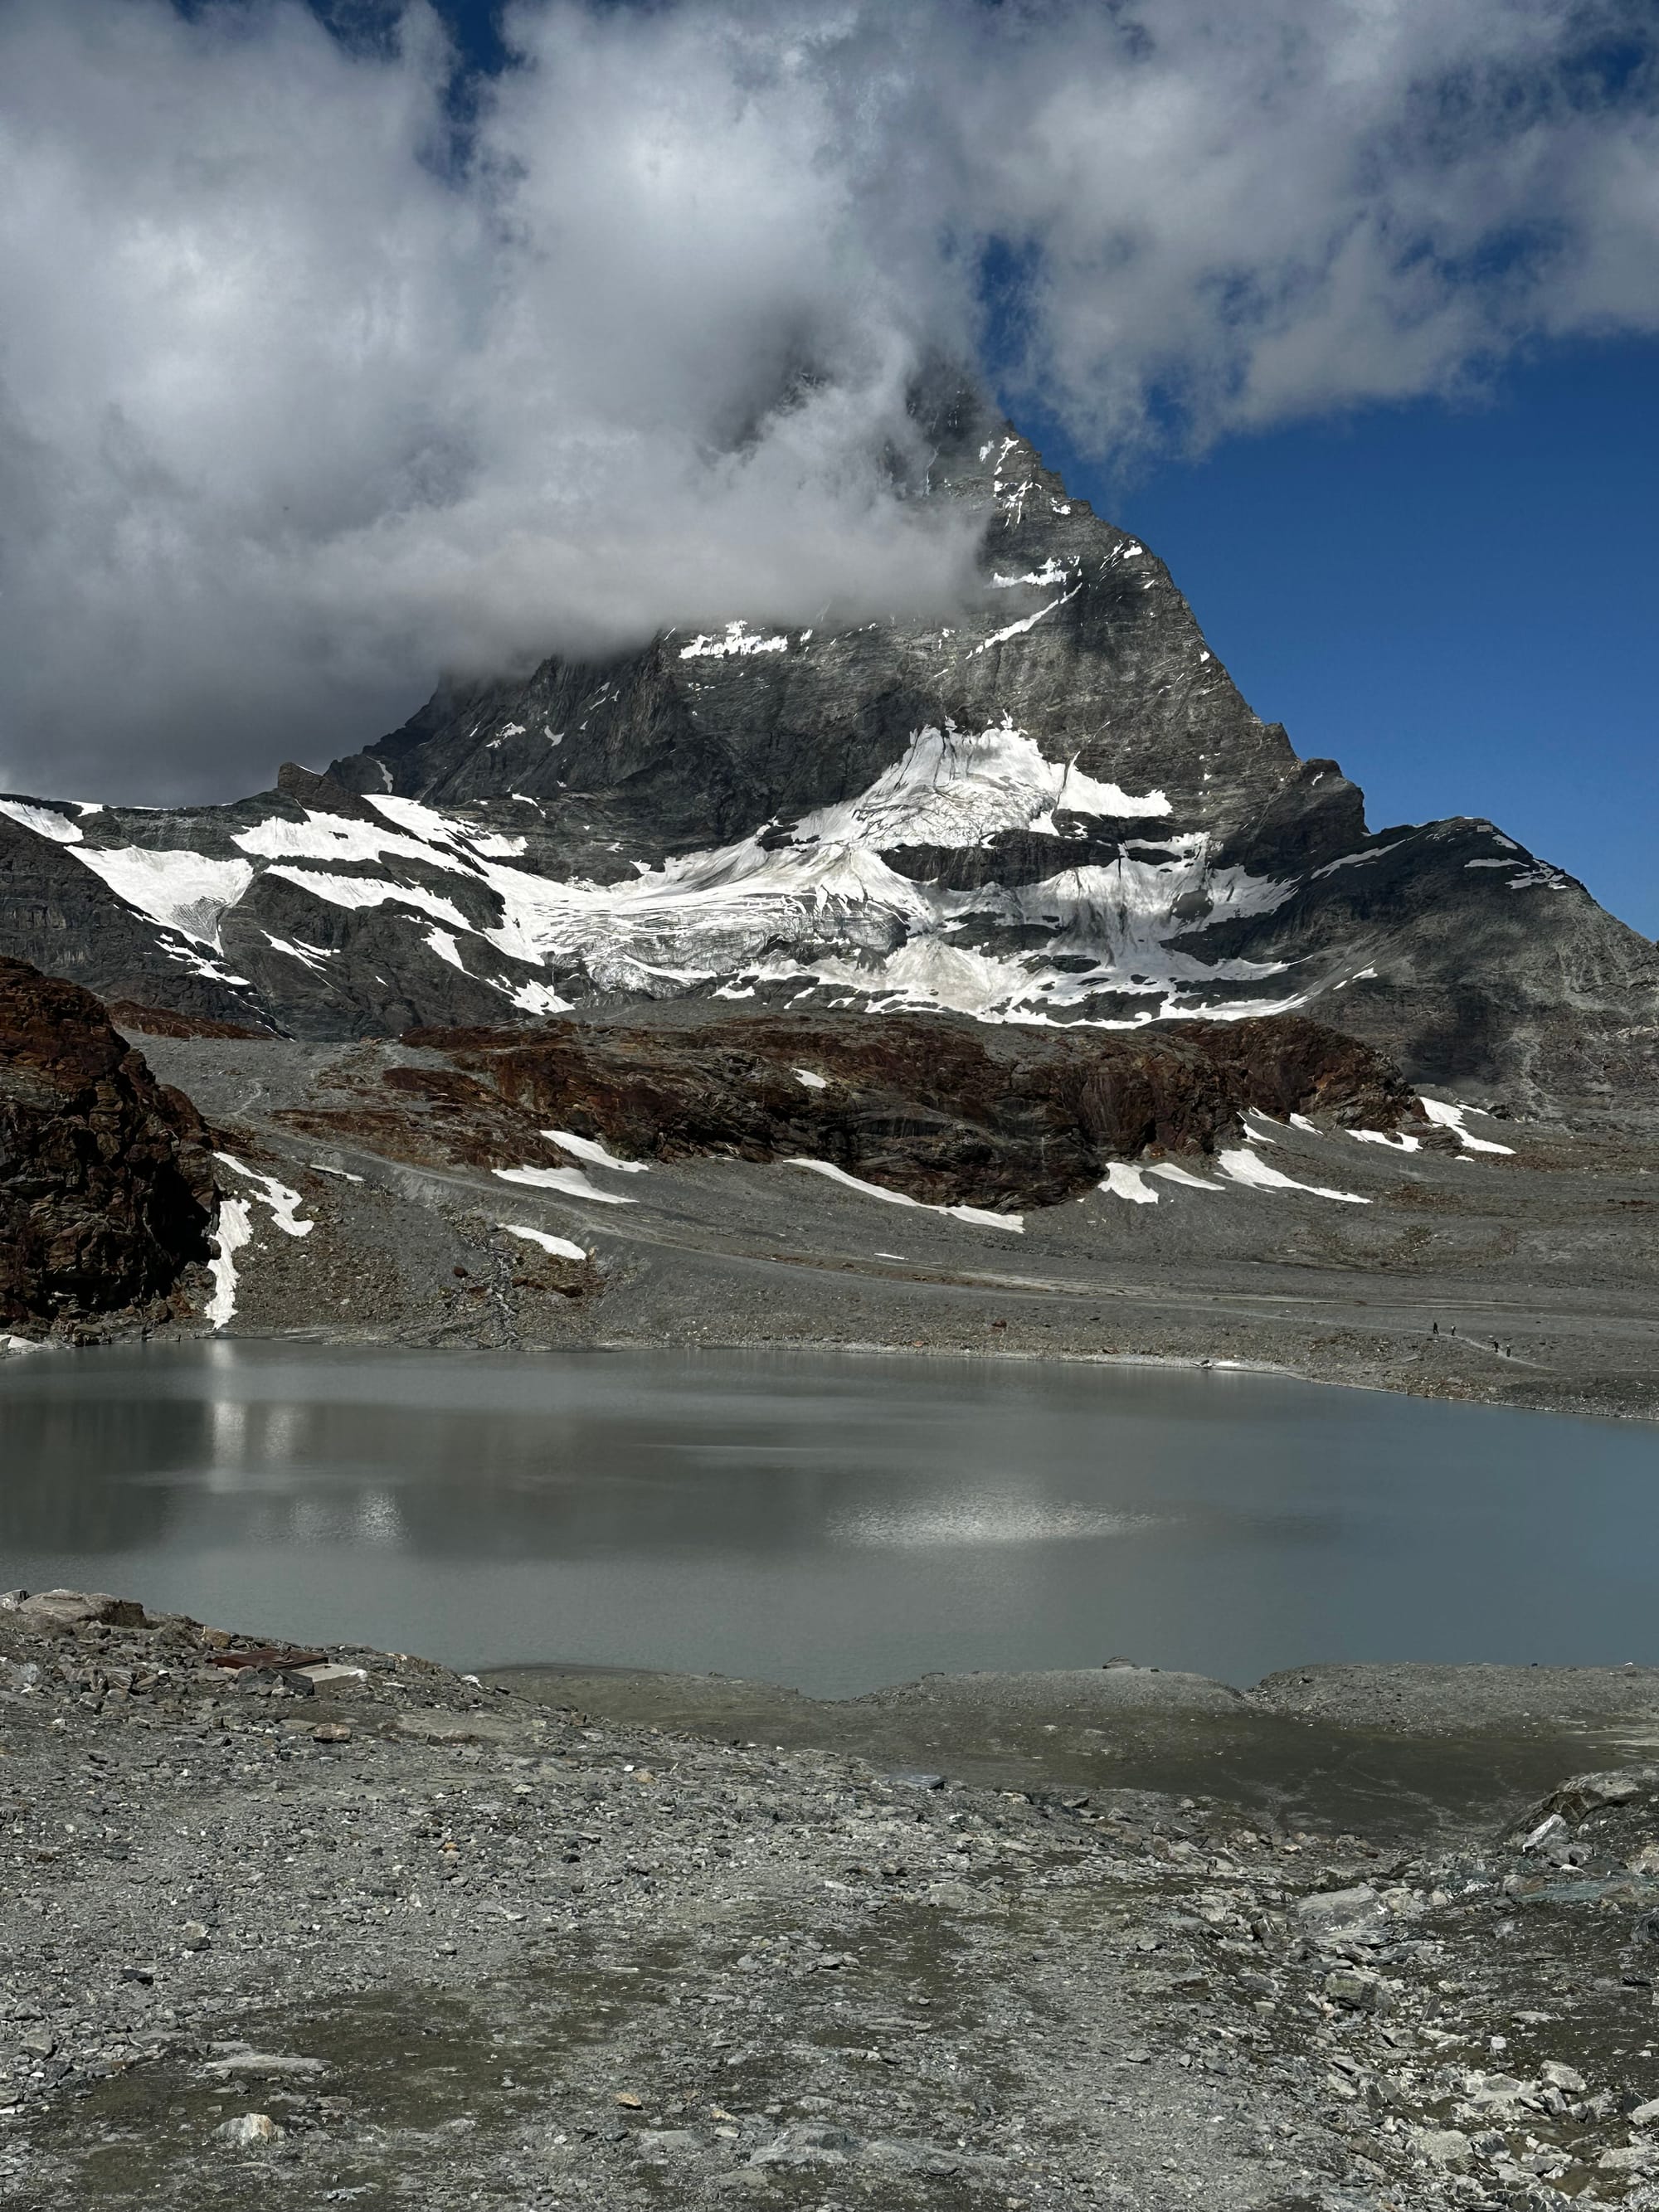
343	1927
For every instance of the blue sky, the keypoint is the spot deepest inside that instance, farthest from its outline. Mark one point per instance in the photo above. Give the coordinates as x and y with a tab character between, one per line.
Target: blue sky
1460	604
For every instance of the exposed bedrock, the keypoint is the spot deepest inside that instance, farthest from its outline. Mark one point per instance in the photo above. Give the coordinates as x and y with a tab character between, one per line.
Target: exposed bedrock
944	1110
106	1194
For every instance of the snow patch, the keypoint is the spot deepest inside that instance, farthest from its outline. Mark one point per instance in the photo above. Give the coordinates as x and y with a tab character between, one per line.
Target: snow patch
308	956
358	891
979	1214
1400	1141
1124	1180
1243	1166
284	1203
537	998
445	946
808	1081
1051	573
1019	629
180	890
561	1247
1446	1115
1357	860
738	641
236	1229
571	1181
43	821
330	838
585	1148
1188	1181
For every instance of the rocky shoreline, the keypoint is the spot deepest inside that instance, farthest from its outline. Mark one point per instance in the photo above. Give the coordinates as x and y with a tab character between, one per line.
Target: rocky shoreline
314	1927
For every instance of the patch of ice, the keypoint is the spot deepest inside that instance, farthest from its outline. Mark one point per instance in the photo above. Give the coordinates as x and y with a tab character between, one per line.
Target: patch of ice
738	641
1241	1165
571	1181
43	821
585	1148
236	1229
1446	1115
1124	1180
180	890
284	1203
561	1247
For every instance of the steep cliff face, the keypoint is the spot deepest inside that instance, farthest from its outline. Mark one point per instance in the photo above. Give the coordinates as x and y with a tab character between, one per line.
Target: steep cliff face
107	1194
1054	809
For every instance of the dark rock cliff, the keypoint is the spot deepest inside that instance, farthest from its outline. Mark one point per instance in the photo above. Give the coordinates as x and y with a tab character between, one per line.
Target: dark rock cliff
107	1194
944	1110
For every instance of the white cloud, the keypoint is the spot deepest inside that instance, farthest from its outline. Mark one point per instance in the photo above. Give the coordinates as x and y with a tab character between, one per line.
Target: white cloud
295	409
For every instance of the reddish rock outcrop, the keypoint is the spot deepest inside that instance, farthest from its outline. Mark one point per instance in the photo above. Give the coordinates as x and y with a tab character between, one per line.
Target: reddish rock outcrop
947	1111
130	1015
105	1183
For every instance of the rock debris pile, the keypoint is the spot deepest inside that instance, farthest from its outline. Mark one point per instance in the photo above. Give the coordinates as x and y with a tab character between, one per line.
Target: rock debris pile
343	1926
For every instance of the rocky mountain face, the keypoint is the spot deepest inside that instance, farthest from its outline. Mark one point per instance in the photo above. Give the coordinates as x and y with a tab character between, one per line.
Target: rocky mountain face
106	1194
1054	811
944	1112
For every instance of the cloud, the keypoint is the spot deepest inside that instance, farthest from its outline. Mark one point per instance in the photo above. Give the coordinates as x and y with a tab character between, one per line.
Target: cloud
303	399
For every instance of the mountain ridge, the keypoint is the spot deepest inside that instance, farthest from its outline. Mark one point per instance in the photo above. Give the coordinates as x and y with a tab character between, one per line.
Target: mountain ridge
1056	809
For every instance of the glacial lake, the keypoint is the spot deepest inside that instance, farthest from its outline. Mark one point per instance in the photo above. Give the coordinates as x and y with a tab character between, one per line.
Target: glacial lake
833	1522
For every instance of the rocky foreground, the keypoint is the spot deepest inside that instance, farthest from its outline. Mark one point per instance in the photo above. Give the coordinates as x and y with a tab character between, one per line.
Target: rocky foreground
311	1927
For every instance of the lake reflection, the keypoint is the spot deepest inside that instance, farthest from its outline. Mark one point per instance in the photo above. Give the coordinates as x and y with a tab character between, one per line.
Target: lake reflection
833	1523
